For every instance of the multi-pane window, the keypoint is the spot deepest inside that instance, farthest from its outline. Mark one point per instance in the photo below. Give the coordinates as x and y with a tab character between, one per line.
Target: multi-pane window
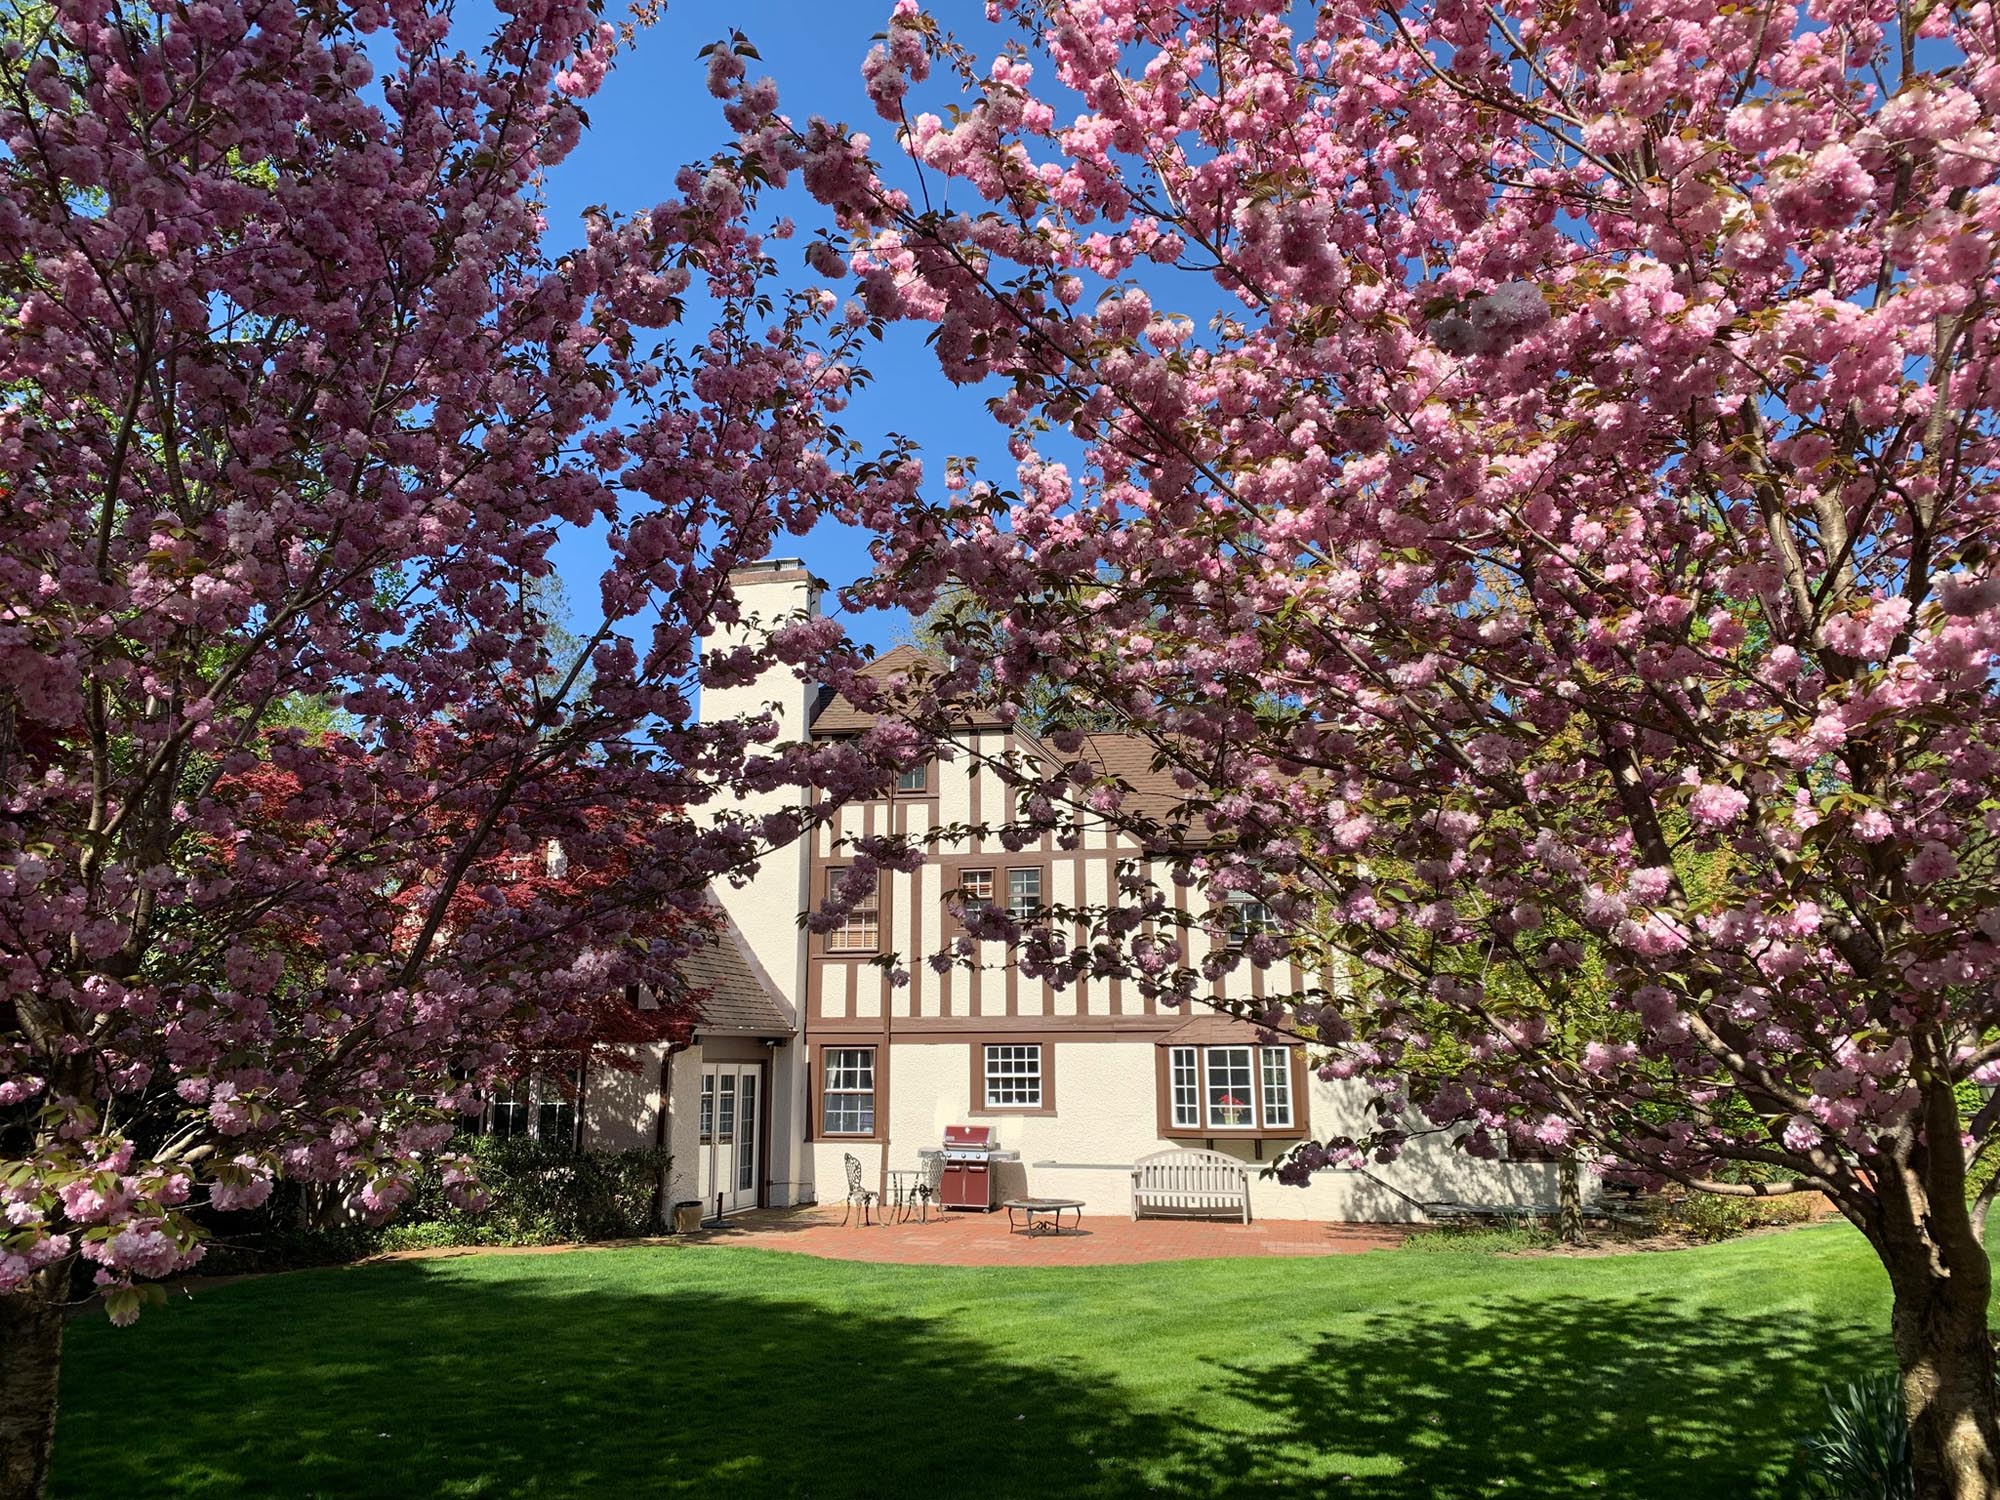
1247	917
1186	1086
1277	1086
725	1109
1231	1106
860	931
1014	1075
916	779
507	1115
540	1106
555	1117
1024	894
746	1160
975	890
707	1108
848	1093
1230	1088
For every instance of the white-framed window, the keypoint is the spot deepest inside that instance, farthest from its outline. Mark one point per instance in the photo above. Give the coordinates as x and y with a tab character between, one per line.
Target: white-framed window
707	1108
1247	918
1013	1075
746	1161
542	1106
1229	1089
507	1115
861	930
916	779
1185	1082
975	890
1024	893
1277	1086
1231	1100
848	1092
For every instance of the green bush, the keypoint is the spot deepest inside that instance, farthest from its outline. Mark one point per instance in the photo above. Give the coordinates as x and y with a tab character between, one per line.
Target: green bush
1711	1216
541	1195
1484	1239
1863	1452
1708	1217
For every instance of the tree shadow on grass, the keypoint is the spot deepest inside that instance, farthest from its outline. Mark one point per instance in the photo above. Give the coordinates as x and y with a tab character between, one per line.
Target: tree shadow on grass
409	1380
1548	1396
406	1383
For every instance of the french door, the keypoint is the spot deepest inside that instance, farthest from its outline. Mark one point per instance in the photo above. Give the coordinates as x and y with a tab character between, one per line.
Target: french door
732	1101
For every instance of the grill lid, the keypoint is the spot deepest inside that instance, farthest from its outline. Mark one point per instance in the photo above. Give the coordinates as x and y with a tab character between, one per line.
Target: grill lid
969	1137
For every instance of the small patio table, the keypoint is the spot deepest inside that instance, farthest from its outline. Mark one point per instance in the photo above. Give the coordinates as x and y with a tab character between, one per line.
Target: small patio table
903	1189
1051	1210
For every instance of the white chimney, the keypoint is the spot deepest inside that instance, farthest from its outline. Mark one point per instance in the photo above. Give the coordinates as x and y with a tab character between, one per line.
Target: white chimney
766	908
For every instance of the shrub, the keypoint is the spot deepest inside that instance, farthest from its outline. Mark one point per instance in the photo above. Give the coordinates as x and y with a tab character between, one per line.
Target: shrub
541	1195
1863	1452
1484	1239
1711	1216
1708	1217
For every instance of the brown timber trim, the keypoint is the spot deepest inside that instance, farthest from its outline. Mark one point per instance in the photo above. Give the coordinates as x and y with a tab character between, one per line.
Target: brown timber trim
1163	1095
959	1029
977	1052
738	1049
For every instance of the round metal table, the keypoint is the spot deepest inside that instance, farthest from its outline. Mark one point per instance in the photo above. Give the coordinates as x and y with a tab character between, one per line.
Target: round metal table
1050	1208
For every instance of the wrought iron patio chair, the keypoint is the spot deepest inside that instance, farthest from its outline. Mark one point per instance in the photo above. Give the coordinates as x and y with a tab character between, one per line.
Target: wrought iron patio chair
927	1186
856	1193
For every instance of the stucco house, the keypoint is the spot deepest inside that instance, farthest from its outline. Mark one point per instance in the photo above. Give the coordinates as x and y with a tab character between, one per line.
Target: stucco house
806	1053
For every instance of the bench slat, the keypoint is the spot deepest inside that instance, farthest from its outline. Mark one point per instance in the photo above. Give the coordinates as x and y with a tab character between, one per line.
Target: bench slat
1190	1179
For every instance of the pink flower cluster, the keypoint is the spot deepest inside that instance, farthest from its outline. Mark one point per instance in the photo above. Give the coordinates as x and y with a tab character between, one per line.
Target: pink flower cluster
1535	533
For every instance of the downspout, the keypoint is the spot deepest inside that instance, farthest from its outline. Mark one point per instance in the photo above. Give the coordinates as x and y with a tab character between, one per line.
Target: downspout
660	1219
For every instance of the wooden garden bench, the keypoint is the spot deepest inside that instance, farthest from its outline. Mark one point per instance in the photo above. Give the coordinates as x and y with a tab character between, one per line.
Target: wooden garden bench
1187	1181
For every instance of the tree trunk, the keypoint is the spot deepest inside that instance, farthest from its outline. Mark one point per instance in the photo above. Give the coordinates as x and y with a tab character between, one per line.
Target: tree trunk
1943	1283
1569	1199
1945	1356
31	1329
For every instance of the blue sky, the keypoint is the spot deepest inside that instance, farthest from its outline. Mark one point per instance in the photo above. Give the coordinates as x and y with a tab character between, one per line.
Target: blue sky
654	113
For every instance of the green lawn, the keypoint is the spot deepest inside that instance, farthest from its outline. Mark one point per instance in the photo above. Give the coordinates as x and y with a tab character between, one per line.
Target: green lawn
1400	1375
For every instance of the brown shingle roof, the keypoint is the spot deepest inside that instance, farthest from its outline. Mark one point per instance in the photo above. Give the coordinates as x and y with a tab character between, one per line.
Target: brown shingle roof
1209	1030
1129	758
837	716
736	1000
833	714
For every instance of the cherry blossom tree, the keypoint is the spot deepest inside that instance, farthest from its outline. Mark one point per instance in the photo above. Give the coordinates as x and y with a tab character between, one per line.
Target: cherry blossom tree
1529	468
294	402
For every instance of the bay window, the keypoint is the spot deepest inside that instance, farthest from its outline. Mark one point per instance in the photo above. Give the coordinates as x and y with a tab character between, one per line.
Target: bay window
1228	1089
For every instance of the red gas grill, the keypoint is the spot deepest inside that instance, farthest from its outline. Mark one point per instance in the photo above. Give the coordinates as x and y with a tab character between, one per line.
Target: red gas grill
968	1167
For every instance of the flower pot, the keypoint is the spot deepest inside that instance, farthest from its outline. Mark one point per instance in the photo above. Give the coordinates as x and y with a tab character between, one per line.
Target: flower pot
687	1216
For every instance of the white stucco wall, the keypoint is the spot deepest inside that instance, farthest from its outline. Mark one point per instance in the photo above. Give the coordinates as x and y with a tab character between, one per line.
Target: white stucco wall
620	1113
620	1107
1106	1119
830	1171
766	906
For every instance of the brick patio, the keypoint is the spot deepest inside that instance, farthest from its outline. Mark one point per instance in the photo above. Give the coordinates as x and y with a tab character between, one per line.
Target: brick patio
974	1239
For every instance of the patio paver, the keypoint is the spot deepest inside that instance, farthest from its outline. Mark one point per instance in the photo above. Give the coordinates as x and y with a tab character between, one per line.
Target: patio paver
975	1239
